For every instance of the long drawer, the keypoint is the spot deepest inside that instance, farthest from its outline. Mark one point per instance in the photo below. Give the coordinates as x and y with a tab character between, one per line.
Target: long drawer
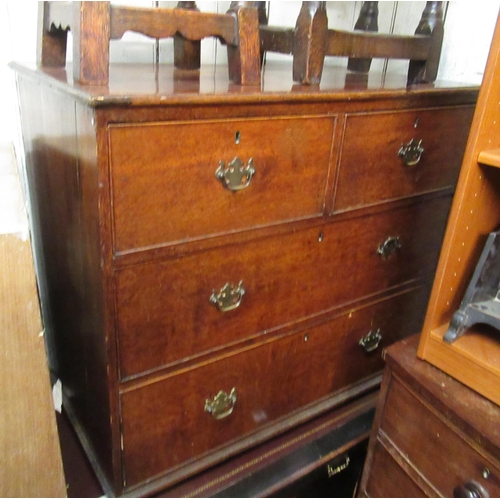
165	313
381	158
166	423
183	180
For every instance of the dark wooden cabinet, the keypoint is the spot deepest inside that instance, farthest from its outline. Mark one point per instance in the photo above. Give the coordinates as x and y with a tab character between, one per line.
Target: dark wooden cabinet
220	265
433	437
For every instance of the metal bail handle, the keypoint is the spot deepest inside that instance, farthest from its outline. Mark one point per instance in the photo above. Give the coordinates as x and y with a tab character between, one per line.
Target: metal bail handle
228	298
371	340
389	246
222	405
411	153
236	176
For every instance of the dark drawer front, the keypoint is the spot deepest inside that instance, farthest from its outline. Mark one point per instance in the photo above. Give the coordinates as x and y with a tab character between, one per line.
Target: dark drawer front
388	480
164	309
164	185
445	459
371	170
165	424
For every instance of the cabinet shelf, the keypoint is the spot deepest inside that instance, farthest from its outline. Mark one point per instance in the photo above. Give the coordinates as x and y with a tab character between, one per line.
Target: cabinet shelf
474	358
490	157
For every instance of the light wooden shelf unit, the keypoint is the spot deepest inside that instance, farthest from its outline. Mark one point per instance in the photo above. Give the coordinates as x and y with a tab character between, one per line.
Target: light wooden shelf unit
474	358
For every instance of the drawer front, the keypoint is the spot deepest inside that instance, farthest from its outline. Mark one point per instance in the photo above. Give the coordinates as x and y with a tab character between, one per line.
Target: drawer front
165	423
164	309
388	480
165	189
442	456
371	170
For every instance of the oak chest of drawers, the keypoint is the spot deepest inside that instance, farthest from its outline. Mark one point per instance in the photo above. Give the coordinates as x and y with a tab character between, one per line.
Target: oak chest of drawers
433	437
219	264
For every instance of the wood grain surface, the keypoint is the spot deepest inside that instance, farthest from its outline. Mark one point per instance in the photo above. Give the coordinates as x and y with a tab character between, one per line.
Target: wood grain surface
30	463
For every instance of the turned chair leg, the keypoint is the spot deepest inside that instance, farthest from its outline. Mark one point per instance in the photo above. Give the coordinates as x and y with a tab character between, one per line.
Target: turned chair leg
367	21
431	23
309	43
91	35
263	21
244	58
187	53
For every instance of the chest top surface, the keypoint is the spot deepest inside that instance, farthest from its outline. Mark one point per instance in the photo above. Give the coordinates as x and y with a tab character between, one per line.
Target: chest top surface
467	409
143	84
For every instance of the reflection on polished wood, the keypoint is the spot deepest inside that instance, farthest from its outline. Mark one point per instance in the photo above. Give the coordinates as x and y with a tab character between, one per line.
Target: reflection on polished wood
140	84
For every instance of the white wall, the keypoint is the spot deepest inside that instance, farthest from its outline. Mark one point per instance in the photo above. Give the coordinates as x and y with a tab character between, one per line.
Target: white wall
468	30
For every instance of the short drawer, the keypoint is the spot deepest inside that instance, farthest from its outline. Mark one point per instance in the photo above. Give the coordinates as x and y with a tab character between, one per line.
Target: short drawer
165	313
165	188
443	457
165	423
371	168
388	480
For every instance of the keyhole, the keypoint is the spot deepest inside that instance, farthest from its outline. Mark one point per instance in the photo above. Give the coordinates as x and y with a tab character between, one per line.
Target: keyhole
237	137
415	125
320	237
